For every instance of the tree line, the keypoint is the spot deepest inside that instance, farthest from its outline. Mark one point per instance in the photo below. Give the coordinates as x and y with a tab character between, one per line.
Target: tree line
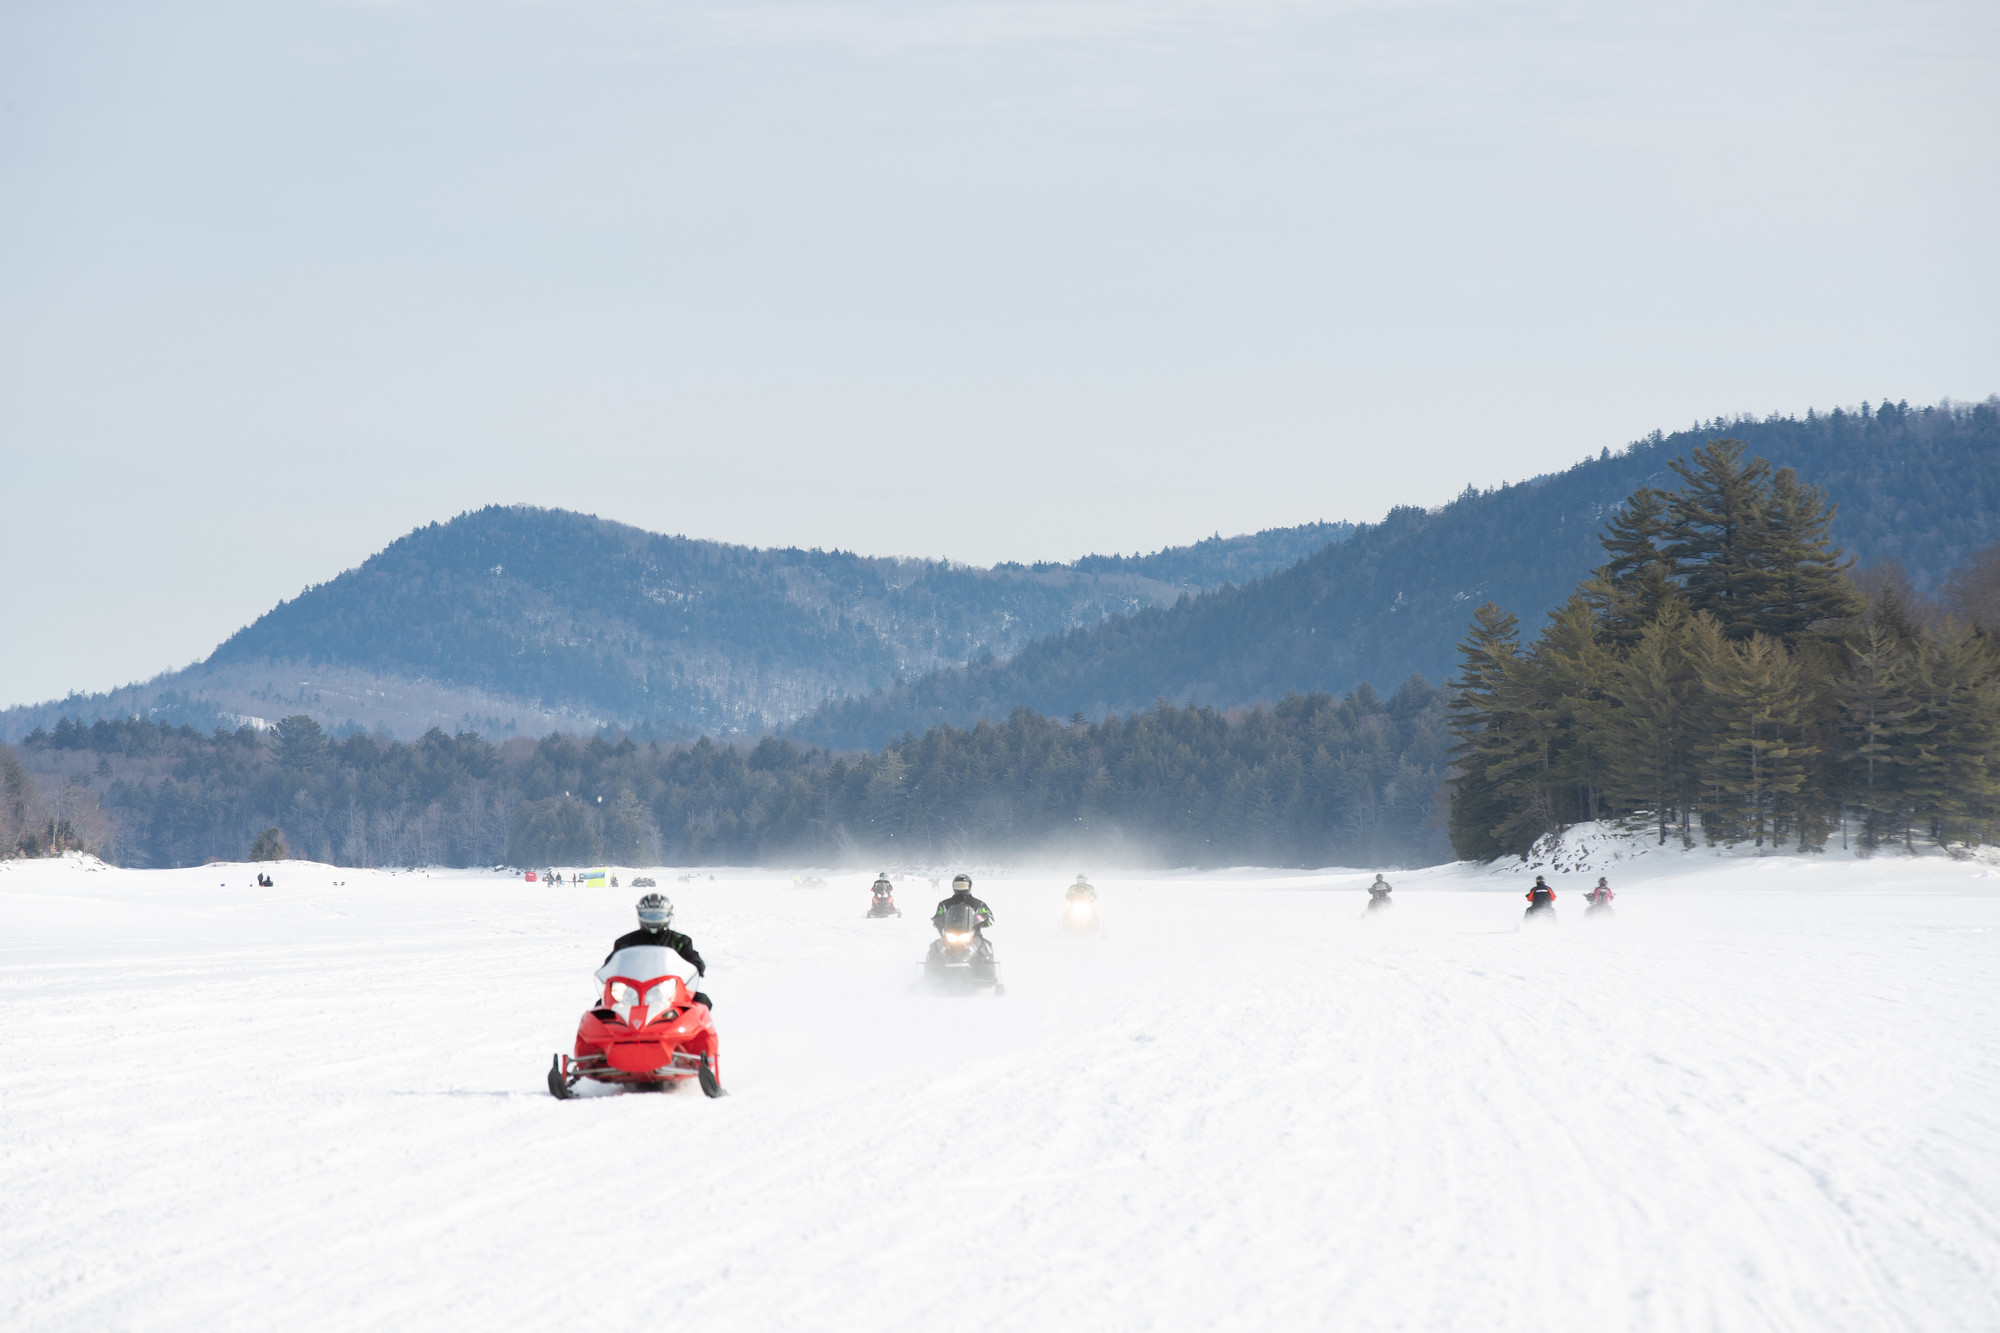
1311	780
1726	671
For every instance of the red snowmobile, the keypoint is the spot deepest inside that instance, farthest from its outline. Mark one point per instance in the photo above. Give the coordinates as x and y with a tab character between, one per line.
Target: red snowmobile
646	1030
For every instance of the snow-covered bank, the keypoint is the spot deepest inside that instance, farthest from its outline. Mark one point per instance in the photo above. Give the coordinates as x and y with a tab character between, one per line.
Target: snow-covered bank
1765	1096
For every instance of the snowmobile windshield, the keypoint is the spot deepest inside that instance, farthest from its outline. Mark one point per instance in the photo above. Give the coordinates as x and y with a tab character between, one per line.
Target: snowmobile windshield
960	919
643	963
644	974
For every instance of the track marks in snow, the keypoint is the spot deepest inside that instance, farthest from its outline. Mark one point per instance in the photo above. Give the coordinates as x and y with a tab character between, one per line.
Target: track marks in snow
1245	1106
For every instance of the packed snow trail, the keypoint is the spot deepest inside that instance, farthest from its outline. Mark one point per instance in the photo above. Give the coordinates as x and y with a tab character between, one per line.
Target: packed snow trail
1764	1098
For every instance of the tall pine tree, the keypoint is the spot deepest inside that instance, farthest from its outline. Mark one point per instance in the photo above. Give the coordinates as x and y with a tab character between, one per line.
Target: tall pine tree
1477	808
1877	706
1756	757
1652	697
1638	579
1712	533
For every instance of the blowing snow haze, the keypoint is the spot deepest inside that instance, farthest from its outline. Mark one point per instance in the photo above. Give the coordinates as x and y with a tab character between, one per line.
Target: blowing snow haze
979	281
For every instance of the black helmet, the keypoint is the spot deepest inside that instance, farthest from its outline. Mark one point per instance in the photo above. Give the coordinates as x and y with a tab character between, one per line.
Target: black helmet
655	912
961	881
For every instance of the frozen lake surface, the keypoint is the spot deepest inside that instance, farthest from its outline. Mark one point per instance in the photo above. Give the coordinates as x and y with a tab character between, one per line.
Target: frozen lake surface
1765	1096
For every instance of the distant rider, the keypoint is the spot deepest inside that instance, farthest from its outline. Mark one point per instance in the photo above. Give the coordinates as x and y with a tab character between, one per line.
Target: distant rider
1541	895
656	917
1081	891
883	888
1380	889
1602	895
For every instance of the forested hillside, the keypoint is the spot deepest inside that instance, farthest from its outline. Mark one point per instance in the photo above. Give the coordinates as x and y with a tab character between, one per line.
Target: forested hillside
520	618
1917	486
1312	781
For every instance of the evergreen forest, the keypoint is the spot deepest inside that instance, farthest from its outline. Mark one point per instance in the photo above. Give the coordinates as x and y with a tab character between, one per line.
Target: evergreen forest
1724	673
1310	780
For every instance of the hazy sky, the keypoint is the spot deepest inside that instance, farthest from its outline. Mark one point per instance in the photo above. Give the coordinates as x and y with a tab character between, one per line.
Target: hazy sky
282	280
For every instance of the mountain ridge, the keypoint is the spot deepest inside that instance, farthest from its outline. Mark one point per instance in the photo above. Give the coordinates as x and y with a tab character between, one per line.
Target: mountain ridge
517	618
1920	486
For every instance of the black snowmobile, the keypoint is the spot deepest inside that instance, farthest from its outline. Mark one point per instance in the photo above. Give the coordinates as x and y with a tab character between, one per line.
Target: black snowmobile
961	960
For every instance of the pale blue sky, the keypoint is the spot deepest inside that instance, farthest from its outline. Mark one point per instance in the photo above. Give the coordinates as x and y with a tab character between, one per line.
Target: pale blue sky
279	281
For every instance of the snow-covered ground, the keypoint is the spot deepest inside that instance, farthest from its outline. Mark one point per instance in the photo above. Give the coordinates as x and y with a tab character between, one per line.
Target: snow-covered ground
1765	1096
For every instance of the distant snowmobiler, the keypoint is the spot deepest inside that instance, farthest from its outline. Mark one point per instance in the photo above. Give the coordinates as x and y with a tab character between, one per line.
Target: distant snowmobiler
882	897
1080	910
1541	904
1599	899
1378	894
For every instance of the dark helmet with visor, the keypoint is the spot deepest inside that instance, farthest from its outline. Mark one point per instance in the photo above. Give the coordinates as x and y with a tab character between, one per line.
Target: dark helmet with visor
655	912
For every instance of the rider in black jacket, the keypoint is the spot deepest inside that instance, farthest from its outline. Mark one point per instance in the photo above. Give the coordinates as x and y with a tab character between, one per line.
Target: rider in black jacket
656	915
961	896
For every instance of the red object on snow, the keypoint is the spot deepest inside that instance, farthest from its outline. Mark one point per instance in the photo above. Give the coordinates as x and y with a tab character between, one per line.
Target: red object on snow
643	1030
531	877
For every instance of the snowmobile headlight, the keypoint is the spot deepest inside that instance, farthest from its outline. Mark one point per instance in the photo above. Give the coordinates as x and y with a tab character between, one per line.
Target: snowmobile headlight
622	995
958	936
660	998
